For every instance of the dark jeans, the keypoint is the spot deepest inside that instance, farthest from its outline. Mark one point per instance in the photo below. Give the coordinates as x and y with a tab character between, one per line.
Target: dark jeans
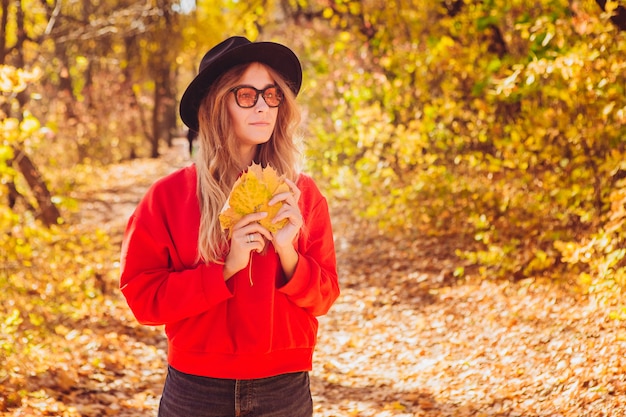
187	395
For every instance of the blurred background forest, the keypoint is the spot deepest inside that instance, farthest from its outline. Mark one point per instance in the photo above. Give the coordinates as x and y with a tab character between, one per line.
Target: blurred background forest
496	126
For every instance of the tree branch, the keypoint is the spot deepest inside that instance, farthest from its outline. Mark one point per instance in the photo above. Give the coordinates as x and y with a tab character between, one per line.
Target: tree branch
619	15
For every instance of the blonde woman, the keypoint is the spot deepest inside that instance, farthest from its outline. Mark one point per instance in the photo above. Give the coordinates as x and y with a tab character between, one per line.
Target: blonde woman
234	348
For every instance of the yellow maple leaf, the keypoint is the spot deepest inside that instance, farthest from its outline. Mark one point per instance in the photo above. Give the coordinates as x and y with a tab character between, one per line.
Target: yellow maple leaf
251	193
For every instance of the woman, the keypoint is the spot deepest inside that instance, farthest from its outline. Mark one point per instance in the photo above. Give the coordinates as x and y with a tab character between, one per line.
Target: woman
234	348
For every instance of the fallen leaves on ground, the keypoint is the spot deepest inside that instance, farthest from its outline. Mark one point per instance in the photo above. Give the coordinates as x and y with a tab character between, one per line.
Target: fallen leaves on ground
403	339
406	340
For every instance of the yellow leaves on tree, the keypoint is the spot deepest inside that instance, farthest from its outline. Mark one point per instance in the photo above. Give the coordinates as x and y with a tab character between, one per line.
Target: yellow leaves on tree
251	194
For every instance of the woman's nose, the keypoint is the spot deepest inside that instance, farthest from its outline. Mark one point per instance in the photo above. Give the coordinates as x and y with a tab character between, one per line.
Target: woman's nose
261	105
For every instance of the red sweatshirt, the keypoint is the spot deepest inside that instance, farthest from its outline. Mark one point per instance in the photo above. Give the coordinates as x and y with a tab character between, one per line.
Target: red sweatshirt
226	329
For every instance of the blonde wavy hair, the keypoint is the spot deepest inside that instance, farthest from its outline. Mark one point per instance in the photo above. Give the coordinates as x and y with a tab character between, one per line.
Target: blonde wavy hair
218	165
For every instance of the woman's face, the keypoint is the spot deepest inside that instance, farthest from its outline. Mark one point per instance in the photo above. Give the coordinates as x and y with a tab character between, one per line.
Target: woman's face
253	126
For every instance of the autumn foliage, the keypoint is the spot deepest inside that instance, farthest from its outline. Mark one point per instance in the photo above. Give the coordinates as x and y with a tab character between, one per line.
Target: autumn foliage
500	127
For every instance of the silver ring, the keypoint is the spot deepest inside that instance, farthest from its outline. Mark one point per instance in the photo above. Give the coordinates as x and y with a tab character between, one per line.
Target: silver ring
250	238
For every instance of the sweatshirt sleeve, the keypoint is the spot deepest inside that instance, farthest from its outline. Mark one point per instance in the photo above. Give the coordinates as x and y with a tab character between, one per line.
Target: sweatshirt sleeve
159	295
314	285
158	287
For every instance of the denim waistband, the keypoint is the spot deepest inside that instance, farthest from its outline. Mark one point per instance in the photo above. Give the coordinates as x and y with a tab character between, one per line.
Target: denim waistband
287	395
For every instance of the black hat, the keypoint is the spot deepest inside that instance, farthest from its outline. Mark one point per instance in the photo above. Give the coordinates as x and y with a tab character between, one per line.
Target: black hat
228	54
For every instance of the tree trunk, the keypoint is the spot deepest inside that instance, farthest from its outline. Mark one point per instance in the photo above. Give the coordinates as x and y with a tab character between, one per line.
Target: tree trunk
4	21
156	131
169	108
48	212
164	112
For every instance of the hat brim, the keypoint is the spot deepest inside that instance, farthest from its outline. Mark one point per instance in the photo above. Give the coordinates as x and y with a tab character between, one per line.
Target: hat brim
276	56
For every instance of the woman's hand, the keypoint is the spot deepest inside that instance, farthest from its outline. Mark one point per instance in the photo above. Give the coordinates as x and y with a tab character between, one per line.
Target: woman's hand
248	235
284	238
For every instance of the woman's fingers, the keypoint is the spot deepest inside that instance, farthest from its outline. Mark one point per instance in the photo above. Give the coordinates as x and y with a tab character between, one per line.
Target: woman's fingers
290	209
290	197
294	189
289	212
249	224
248	235
253	240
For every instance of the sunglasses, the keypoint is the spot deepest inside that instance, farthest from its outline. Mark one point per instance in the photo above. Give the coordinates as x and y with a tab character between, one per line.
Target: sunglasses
246	96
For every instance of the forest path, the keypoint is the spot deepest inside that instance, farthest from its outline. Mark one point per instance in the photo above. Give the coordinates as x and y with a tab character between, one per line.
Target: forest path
403	339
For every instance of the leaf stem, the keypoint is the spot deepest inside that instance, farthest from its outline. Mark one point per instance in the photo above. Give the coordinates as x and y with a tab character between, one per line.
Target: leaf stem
250	270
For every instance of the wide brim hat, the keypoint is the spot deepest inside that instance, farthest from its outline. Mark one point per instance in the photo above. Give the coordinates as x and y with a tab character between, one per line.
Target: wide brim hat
228	54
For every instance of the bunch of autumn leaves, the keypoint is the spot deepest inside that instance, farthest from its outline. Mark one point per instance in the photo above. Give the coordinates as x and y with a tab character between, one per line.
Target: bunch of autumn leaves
251	194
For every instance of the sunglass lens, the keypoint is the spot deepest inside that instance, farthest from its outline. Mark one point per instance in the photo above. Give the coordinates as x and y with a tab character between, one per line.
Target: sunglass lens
246	97
273	96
